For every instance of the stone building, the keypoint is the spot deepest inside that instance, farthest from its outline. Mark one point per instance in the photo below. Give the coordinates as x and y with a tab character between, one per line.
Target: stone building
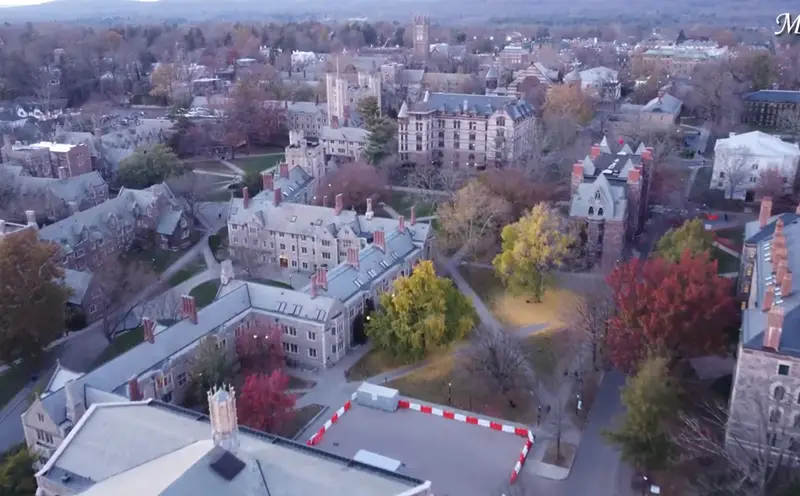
47	159
609	200
471	130
293	184
765	399
422	44
345	142
309	154
770	108
345	91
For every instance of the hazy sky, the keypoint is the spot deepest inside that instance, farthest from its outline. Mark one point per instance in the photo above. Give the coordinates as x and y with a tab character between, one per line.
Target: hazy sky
16	3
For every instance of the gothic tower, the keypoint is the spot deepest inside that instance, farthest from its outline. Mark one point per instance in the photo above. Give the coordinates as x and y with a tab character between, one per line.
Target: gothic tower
224	421
422	24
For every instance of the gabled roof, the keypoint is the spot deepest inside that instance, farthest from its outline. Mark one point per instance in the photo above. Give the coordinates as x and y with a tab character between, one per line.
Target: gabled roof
78	281
479	105
666	104
71	189
597	194
760	144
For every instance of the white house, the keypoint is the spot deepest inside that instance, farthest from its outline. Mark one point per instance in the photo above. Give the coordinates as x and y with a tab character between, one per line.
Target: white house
601	81
740	159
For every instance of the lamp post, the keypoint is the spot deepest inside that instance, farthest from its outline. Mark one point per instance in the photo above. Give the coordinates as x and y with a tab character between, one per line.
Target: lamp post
449	392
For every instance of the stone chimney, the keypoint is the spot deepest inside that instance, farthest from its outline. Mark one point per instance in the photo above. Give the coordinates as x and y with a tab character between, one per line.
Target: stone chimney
266	181
786	284
224	419
63	174
401	224
379	239
73	207
766	211
352	256
413	215
276	196
30	215
369	213
134	392
314	285
595	152
225	272
769	298
149	329
338	204
76	403
577	177
245	197
322	276
189	308
772	334
325	201
284	170
2	227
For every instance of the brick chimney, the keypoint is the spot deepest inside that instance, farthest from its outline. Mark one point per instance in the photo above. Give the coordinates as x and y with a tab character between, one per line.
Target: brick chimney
647	154
322	276
786	284
266	181
63	174
314	285
779	226
413	215
149	329
369	214
379	239
634	176
772	334
766	211
783	268
352	256
284	170
245	197
134	393
769	298
595	152
189	308
338	204
276	196
401	224
577	177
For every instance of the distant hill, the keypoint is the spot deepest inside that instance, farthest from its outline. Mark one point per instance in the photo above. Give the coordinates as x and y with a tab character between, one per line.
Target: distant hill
732	12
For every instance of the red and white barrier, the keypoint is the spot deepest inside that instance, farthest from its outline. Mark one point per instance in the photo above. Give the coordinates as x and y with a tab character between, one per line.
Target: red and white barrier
526	449
511	429
317	437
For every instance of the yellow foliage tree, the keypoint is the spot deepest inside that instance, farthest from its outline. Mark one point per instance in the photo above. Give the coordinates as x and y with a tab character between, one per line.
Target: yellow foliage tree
421	313
164	78
568	100
534	245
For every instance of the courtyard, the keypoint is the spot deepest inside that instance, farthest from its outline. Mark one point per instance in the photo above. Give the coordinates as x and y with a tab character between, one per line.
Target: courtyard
458	458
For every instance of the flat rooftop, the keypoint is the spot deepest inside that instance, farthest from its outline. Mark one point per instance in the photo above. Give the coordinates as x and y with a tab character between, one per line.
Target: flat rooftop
459	459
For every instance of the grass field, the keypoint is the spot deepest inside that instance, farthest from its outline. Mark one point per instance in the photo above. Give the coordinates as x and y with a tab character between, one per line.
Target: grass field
374	362
402	202
258	164
187	272
205	293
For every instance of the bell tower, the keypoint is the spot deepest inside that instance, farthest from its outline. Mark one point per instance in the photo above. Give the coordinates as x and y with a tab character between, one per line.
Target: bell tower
422	24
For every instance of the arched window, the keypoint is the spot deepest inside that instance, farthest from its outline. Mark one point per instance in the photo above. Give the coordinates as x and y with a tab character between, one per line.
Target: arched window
775	416
591	210
600	211
779	393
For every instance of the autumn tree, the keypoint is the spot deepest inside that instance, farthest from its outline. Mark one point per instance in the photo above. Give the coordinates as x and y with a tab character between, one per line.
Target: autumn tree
33	297
533	246
516	187
194	189
691	236
164	79
438	178
211	367
715	94
497	358
733	163
422	312
260	350
567	101
149	166
678	310
355	181
473	218
263	402
16	472
771	183
120	279
650	398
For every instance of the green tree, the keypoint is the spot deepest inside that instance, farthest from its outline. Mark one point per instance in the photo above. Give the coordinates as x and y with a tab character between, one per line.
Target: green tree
33	297
650	397
692	236
381	139
533	246
369	110
420	313
148	166
211	367
16	473
252	179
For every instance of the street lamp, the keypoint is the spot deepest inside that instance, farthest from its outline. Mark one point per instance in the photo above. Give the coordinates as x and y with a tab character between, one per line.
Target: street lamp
449	392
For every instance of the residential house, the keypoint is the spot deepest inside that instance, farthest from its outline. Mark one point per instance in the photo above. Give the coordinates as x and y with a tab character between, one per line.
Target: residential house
600	82
610	190
659	115
87	293
150	448
472	130
45	159
740	159
765	398
346	142
536	70
771	108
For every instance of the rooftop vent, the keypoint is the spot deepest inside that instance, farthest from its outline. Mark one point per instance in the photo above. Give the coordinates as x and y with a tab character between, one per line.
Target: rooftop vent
281	306
357	283
226	465
293	219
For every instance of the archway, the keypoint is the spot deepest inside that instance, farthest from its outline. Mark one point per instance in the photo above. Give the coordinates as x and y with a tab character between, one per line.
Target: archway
360	321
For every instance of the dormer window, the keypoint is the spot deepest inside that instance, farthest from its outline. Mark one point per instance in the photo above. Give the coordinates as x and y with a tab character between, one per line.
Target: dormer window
597	195
600	211
591	210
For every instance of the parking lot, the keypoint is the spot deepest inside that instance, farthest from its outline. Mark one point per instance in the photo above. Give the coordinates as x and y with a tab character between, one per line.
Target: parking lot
459	459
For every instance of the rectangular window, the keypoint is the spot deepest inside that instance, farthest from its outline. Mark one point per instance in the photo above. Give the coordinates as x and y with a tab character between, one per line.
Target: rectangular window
312	336
290	348
312	352
290	331
326	255
45	437
783	369
181	378
40	417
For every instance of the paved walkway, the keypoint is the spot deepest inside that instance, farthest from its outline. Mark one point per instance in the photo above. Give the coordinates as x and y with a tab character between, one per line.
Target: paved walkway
235	168
212	173
418	191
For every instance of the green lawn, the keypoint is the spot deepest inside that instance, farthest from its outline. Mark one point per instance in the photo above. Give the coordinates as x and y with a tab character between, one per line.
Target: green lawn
258	164
120	345
725	262
205	292
402	202
186	273
160	260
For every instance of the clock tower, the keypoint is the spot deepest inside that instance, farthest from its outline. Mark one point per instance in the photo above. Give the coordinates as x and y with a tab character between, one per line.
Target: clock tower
422	24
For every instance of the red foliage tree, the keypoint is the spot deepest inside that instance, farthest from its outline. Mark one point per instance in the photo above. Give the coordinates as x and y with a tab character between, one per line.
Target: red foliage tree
263	403
356	181
260	350
676	310
770	183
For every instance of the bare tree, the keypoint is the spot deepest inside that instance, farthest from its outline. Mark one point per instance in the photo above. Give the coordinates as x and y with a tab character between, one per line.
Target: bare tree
498	359
715	94
733	165
193	189
789	123
121	280
446	178
589	315
753	444
165	307
771	183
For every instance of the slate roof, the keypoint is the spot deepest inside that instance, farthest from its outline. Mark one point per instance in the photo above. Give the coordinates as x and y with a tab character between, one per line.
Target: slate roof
479	105
291	187
666	103
168	222
78	281
71	189
600	194
773	96
754	319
